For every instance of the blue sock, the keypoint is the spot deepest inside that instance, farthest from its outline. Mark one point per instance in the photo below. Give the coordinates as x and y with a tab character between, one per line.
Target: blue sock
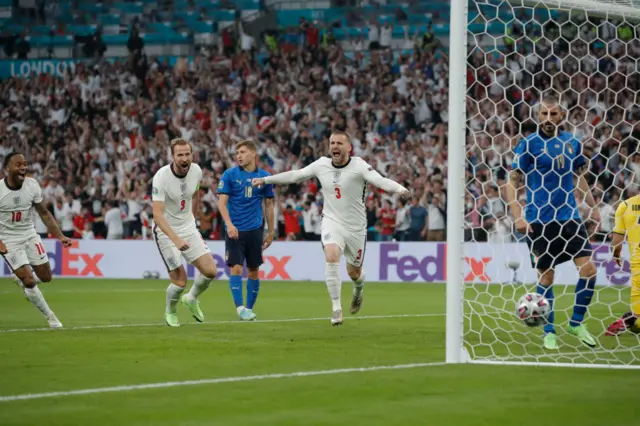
235	283
253	288
547	293
584	293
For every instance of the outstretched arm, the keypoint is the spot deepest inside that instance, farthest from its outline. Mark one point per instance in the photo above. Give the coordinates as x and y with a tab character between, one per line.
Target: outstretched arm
388	185
293	176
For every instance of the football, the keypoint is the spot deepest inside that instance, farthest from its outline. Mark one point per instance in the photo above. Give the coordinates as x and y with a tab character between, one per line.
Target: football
533	309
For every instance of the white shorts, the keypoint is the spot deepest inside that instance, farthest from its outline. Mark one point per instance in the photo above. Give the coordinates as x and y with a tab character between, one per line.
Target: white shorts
170	254
30	252
352	244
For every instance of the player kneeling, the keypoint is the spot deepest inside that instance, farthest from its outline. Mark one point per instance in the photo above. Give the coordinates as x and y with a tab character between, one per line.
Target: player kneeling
343	180
20	245
626	223
175	199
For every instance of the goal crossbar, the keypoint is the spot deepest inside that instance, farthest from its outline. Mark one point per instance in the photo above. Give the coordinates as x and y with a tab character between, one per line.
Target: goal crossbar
607	8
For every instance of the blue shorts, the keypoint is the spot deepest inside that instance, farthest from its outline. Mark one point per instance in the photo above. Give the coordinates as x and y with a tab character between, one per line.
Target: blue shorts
247	247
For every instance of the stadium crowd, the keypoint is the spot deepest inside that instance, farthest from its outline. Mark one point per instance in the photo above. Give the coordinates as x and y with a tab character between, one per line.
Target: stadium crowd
95	137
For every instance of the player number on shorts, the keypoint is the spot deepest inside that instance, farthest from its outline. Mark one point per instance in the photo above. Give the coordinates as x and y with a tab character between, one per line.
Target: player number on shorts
40	249
359	256
183	203
248	192
338	193
16	216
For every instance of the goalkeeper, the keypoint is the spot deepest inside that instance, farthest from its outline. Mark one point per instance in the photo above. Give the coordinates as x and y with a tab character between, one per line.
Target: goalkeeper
627	219
550	162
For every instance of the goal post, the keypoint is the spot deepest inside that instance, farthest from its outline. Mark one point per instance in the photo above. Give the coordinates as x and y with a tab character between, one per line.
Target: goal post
455	180
504	57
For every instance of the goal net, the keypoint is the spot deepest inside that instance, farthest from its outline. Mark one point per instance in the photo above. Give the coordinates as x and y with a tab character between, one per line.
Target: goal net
585	54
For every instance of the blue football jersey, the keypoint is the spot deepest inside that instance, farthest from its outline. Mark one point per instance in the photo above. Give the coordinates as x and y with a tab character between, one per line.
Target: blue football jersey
549	166
245	200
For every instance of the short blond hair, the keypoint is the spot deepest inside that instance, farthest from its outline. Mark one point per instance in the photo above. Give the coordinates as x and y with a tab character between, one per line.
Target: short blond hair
179	141
341	133
247	143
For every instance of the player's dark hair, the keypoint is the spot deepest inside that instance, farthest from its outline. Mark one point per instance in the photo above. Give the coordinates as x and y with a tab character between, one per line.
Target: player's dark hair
341	133
8	158
247	143
180	141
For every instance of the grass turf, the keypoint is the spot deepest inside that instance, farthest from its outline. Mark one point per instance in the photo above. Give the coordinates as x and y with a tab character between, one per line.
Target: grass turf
65	360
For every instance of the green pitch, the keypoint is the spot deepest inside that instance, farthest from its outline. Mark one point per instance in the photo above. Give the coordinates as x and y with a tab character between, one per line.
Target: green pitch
120	341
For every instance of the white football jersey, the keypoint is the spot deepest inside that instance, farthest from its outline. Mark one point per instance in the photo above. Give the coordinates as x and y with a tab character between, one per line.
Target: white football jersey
343	188
16	223
177	195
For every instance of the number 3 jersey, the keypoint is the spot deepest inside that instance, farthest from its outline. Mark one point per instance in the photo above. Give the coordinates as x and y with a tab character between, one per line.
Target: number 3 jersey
16	223
343	188
177	194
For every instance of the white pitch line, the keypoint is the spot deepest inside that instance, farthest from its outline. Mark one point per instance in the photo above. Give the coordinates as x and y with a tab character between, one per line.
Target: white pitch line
85	291
128	388
158	324
554	356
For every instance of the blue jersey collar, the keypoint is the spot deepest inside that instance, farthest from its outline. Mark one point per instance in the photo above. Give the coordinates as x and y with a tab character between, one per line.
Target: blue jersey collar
547	137
245	170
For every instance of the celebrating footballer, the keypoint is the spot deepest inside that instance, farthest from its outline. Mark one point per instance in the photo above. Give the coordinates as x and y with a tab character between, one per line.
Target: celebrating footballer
344	182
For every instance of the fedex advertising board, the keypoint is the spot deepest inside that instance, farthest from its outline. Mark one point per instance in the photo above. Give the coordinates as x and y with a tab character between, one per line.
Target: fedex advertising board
301	261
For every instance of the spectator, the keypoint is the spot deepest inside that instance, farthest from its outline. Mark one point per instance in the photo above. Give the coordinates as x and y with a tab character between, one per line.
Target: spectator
64	214
310	221
87	233
418	221
403	221
436	212
386	35
113	221
374	35
388	217
291	222
373	212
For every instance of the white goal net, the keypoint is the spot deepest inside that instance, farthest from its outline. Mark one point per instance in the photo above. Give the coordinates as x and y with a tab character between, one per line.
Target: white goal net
586	55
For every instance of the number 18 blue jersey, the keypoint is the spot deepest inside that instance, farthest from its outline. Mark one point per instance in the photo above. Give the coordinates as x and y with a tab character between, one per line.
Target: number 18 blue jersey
245	200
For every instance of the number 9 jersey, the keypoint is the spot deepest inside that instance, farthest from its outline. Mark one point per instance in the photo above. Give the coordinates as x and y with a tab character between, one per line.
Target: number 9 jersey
177	194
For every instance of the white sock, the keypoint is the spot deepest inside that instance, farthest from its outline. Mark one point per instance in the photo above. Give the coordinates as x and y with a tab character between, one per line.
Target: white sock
334	284
200	284
358	284
35	296
173	296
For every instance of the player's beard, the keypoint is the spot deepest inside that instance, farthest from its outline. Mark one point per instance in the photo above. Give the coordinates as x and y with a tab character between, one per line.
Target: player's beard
182	170
549	128
339	158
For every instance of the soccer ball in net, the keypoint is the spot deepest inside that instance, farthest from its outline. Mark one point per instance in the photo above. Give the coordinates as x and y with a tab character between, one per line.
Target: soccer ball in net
533	309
